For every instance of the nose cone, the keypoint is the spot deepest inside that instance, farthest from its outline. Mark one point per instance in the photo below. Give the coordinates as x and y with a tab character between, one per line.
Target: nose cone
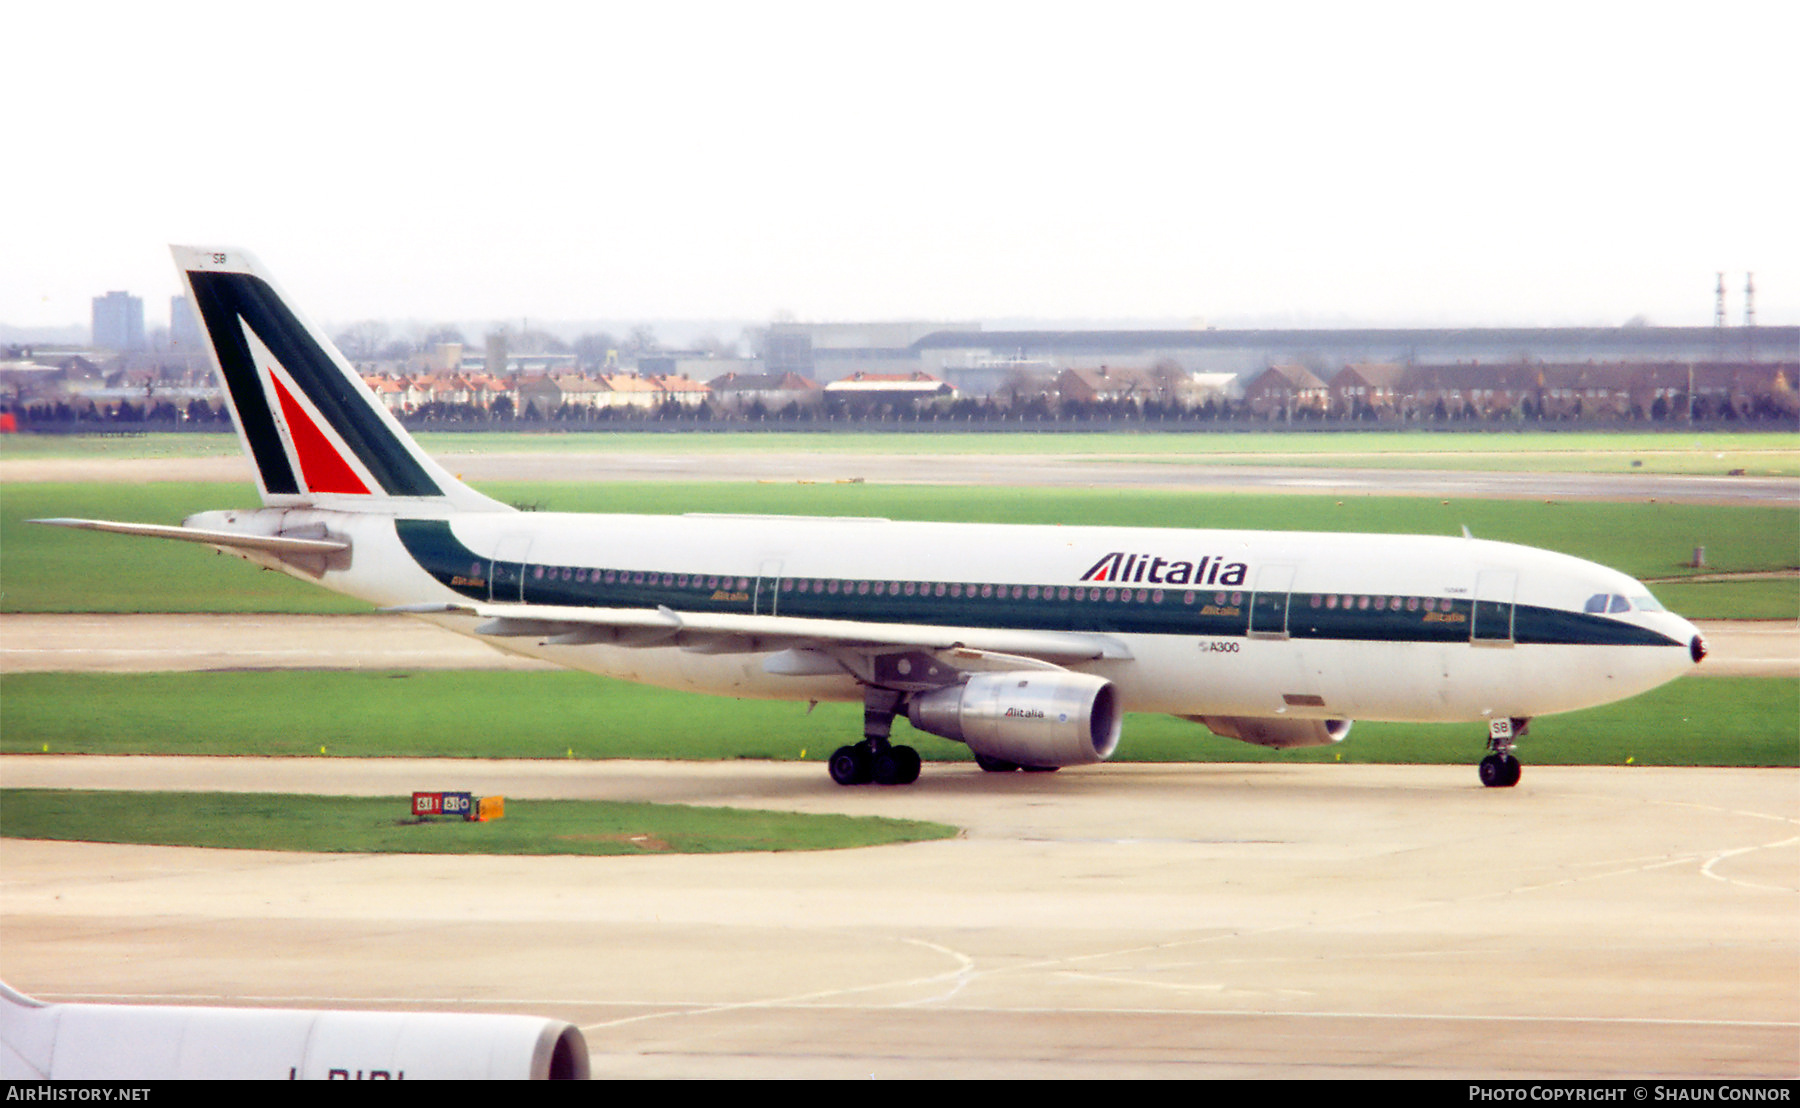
1683	633
1686	645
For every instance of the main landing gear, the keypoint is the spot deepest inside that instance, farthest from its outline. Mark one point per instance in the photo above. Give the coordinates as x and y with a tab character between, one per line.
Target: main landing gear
1500	769
883	765
875	759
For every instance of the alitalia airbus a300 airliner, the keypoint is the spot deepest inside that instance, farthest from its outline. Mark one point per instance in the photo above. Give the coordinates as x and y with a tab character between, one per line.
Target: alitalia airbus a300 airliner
1028	644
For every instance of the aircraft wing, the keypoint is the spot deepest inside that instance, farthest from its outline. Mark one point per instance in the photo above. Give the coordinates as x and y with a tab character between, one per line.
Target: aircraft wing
737	633
132	1043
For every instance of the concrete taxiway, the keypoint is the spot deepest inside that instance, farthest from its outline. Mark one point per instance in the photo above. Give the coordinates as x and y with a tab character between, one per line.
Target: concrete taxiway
1175	473
1194	920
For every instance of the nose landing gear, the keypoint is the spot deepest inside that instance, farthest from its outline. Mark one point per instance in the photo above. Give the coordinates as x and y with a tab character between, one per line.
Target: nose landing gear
1500	769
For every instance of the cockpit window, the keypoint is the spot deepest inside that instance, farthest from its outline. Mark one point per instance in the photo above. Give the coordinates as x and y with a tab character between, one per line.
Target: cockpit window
1610	603
1646	604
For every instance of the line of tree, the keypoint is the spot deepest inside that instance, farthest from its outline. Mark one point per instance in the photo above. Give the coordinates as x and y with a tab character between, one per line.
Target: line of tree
502	415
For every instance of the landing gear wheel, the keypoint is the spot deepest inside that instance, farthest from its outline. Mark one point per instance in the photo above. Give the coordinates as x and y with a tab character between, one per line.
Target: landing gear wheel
897	765
851	765
1513	770
995	765
875	759
1500	771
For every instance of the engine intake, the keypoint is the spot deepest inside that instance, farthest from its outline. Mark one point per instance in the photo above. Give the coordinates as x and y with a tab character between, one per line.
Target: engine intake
1030	718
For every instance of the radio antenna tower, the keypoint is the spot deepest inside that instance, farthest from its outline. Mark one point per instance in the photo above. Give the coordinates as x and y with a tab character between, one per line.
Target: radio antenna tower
1719	304
1750	315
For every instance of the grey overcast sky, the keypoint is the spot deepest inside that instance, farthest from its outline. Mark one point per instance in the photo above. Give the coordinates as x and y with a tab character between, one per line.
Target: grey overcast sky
1376	163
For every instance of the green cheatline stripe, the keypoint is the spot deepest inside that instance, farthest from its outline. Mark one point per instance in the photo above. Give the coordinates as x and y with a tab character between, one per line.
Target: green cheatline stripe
1103	609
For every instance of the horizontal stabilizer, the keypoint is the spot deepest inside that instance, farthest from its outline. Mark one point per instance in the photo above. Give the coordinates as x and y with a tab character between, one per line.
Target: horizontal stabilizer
272	544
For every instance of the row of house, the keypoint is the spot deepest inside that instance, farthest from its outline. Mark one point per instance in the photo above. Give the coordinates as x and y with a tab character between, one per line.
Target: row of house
1618	390
543	394
548	394
27	384
1367	391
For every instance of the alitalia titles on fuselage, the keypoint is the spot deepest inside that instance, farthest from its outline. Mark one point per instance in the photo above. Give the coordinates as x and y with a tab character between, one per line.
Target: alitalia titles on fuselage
1132	569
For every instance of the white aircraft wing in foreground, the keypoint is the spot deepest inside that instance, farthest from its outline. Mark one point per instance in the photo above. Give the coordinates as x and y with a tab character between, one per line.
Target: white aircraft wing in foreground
132	1042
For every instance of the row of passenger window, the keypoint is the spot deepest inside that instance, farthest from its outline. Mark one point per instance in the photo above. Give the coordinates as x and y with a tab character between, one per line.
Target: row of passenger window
957	590
839	587
1380	603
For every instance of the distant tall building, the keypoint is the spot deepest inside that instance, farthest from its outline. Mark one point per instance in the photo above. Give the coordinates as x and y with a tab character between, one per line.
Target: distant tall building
119	321
789	349
184	326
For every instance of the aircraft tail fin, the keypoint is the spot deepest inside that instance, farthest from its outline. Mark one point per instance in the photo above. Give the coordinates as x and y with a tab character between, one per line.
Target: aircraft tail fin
314	431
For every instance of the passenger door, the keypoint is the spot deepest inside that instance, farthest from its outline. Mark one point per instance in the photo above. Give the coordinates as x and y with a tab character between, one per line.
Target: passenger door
1491	623
506	573
1269	603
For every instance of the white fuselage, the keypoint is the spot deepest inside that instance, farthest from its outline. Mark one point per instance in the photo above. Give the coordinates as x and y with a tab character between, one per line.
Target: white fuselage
1380	627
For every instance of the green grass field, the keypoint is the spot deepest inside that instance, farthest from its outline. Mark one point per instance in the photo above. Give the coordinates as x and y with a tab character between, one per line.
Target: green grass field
384	825
1762	453
1693	721
47	569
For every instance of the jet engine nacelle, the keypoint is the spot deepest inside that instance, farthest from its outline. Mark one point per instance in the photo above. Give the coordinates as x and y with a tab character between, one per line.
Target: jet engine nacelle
124	1042
1278	733
1030	717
